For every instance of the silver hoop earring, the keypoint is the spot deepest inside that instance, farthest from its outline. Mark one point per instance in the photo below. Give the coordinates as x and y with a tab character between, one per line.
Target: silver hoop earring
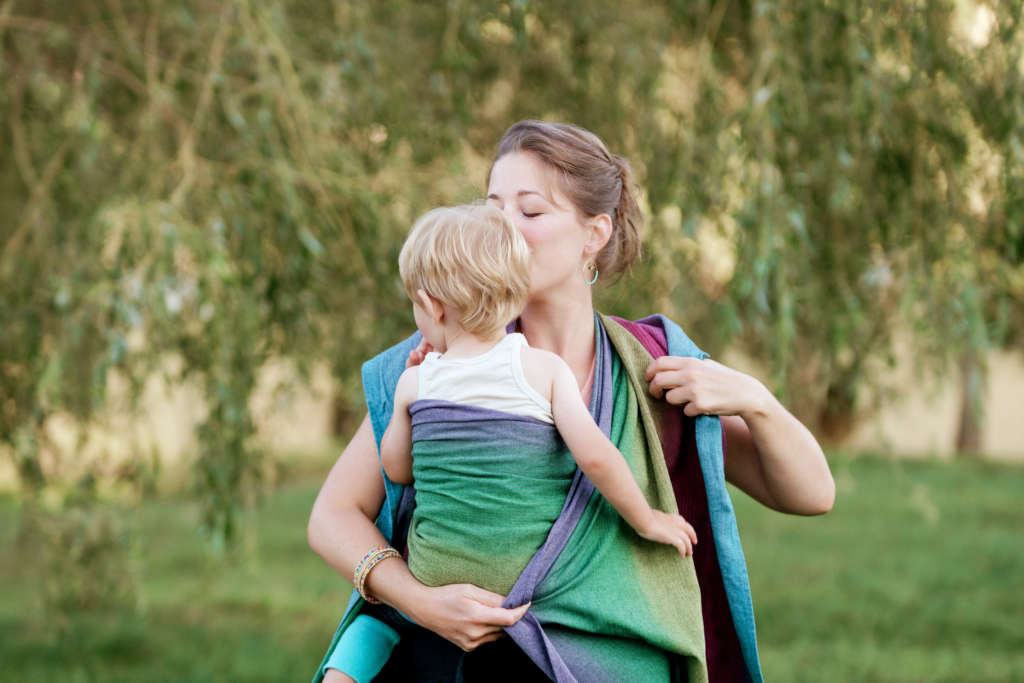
592	280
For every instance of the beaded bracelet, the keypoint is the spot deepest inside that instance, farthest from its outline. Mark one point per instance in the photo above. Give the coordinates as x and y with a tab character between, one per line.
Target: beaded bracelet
367	558
358	575
369	561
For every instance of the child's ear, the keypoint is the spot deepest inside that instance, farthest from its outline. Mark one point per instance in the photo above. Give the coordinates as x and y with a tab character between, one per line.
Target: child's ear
433	307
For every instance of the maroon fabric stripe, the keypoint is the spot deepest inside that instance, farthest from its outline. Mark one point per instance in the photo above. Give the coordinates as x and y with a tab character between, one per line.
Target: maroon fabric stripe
724	657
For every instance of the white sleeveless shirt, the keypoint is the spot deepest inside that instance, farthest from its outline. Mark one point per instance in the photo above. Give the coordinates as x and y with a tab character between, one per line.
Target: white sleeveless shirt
494	379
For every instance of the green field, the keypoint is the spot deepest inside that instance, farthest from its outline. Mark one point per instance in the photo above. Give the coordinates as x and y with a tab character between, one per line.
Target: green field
916	575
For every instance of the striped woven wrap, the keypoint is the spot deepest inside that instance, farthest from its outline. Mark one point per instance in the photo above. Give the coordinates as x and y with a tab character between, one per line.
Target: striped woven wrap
491	488
606	605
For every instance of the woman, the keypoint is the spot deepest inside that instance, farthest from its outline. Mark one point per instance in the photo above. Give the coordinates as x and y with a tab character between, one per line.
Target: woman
574	204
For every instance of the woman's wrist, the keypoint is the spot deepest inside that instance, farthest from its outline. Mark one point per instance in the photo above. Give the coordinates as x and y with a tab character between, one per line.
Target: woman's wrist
393	584
761	404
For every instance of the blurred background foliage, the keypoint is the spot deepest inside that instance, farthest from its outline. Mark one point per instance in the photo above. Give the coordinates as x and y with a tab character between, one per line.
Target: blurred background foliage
194	188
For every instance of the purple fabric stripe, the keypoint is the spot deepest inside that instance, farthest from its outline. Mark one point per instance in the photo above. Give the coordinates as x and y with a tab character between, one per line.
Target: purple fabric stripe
433	419
528	632
433	409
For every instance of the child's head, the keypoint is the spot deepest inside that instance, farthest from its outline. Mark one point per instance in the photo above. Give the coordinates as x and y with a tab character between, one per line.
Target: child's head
471	259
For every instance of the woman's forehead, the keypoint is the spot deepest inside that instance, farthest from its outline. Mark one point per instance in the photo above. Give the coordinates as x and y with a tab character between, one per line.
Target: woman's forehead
520	174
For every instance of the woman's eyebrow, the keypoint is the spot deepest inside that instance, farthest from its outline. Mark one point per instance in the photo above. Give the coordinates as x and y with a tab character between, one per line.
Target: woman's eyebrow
522	193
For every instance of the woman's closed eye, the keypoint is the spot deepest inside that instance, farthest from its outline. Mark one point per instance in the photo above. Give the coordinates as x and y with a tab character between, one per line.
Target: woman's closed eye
528	214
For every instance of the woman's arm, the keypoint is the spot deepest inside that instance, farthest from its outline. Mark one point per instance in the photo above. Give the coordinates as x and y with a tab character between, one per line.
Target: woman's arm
772	456
341	531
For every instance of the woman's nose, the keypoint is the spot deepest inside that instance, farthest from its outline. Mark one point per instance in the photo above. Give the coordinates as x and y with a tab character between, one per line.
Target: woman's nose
512	214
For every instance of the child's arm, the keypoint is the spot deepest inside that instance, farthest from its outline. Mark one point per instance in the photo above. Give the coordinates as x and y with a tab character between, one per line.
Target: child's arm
601	461
396	444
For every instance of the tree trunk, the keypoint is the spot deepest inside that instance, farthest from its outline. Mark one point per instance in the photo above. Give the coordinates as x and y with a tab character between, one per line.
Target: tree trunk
972	414
837	416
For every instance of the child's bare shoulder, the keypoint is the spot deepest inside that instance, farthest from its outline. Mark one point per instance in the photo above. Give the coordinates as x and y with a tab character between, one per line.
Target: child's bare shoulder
542	369
545	360
408	384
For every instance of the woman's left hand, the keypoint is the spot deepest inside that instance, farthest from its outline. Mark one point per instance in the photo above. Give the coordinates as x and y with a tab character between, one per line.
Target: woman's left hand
772	456
705	387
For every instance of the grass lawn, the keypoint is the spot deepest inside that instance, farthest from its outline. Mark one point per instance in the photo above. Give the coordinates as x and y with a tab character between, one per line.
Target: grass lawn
916	575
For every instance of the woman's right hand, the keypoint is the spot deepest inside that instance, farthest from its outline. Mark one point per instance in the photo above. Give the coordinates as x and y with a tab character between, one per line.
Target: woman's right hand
465	614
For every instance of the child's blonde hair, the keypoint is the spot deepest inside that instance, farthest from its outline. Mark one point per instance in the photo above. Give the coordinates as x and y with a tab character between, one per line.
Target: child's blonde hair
470	258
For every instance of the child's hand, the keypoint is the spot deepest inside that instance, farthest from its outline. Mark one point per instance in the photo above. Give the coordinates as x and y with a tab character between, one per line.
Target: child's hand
671	530
417	355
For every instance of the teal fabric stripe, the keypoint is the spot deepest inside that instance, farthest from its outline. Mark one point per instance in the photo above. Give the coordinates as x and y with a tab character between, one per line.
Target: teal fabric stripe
723	518
380	376
363	649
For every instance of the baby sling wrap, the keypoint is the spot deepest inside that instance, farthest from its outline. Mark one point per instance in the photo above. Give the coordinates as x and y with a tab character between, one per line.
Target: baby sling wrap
640	590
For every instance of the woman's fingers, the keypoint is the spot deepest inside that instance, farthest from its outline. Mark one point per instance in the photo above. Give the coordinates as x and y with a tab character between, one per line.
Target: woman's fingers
518	613
663	381
670	372
491	612
681	396
500	616
489	638
484	597
487	619
692	409
700	387
670	363
704	387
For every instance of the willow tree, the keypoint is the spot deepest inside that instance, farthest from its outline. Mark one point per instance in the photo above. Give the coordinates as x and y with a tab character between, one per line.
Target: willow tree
863	163
199	187
195	188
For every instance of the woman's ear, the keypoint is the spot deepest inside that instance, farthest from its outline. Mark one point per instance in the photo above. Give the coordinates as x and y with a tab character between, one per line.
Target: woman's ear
599	230
433	307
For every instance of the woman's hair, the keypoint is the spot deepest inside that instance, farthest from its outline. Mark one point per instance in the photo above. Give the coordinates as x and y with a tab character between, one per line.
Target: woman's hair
595	180
470	258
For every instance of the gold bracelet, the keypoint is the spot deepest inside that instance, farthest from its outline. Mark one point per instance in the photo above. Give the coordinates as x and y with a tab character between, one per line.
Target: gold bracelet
369	561
367	558
361	566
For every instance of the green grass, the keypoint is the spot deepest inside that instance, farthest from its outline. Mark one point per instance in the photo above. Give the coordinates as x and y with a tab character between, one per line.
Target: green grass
263	613
915	576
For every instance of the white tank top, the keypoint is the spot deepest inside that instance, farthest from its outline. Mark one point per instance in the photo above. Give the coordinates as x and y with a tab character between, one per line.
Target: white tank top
494	380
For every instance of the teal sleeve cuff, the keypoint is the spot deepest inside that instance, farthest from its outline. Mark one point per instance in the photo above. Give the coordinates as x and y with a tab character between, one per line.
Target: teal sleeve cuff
363	649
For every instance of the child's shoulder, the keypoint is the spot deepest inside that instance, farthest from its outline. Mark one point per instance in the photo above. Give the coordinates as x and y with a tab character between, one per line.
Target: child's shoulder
545	369
408	383
539	357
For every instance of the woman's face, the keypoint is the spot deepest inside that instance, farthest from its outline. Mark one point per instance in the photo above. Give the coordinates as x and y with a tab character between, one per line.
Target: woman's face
525	190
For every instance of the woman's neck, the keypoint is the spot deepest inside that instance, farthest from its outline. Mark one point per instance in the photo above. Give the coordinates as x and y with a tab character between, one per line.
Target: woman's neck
564	326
